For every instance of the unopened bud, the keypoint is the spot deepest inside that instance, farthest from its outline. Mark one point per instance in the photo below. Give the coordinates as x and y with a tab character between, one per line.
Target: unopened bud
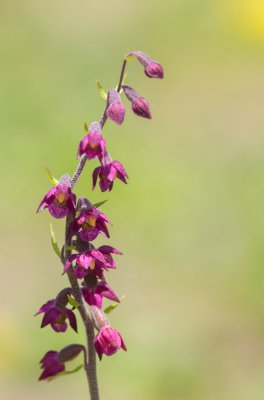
70	352
99	318
140	106
152	68
83	204
116	109
61	300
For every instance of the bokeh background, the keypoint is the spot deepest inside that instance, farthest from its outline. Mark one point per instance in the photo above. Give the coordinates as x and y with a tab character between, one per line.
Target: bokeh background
190	222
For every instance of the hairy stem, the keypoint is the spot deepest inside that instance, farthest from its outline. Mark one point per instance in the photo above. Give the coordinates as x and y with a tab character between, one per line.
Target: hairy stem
90	365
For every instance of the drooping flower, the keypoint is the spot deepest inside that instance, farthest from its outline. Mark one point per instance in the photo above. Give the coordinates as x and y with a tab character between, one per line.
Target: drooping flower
51	365
92	260
56	316
108	341
60	201
108	173
89	224
139	105
93	144
93	291
116	110
152	68
54	361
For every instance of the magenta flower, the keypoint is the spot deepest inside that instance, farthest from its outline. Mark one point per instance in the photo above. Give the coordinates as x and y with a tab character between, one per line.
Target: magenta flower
89	224
92	260
92	145
108	173
107	251
108	341
51	365
116	110
139	105
152	68
56	316
94	291
59	200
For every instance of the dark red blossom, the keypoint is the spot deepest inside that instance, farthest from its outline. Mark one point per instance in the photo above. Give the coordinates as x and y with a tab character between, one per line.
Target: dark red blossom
89	224
51	365
93	291
60	201
93	144
56	316
108	341
92	260
108	173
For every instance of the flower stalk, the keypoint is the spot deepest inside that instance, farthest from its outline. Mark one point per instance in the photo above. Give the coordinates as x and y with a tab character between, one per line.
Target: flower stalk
81	260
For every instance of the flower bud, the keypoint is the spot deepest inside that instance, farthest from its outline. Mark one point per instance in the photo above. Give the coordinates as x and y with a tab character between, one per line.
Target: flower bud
70	352
82	245
152	68
115	110
140	106
83	204
99	318
61	300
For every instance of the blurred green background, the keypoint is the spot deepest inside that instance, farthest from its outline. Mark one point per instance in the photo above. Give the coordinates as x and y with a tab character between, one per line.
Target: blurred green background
190	222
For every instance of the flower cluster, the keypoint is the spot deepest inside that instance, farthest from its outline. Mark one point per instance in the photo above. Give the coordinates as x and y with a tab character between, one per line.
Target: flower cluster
86	264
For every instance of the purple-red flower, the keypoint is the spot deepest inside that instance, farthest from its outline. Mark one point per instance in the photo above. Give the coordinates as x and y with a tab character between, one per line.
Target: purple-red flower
93	144
108	173
152	68
60	201
107	251
94	291
139	105
116	110
89	224
51	365
56	316
108	341
92	260
54	361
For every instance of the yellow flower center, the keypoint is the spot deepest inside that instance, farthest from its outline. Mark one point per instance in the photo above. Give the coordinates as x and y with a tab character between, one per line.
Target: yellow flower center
92	265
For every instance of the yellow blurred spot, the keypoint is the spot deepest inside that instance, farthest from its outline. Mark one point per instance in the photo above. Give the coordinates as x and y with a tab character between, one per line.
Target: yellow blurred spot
92	265
61	197
11	346
91	220
247	18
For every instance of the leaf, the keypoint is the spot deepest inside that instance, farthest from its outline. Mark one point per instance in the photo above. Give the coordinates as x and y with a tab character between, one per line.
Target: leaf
72	301
53	180
54	242
85	127
100	203
112	306
101	90
71	248
66	373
